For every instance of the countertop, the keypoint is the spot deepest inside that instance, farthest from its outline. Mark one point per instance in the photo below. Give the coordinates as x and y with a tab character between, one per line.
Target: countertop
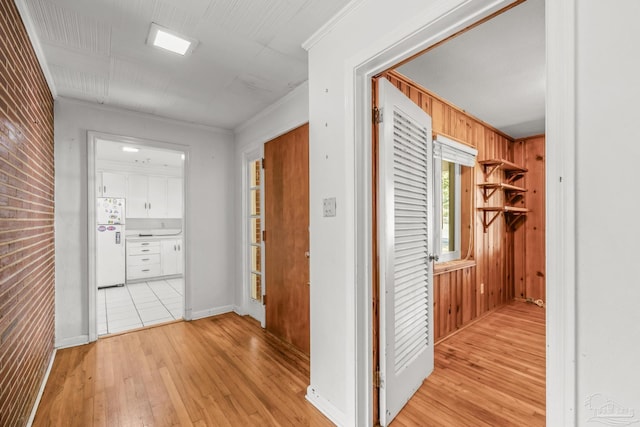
161	233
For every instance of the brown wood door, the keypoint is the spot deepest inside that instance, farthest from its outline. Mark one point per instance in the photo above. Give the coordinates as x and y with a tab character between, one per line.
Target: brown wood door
286	185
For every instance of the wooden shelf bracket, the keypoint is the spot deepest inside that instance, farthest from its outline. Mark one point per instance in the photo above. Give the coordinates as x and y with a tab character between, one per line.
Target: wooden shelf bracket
512	215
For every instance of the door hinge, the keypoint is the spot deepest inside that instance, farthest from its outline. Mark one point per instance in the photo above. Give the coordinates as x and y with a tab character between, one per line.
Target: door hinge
376	379
377	115
264	299
262	163
264	235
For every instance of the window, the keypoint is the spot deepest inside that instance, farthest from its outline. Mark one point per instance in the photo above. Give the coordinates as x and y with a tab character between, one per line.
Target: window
448	157
448	206
255	231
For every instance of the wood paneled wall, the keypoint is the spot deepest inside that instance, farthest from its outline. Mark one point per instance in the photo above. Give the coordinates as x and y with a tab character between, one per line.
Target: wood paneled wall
529	239
464	291
26	221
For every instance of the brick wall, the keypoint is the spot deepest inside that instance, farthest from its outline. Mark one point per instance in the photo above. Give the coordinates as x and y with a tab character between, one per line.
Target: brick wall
26	221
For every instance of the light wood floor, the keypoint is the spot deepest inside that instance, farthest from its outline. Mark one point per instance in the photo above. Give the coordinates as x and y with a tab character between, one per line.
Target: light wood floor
489	374
226	371
221	371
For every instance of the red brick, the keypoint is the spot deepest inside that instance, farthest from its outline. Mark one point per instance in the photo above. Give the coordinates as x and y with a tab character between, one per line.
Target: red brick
26	225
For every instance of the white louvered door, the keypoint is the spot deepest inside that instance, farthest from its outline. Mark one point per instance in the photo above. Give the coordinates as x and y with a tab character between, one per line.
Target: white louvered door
405	216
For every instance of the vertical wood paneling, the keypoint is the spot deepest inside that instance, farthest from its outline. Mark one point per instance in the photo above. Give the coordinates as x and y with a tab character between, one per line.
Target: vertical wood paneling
531	278
26	221
519	235
498	254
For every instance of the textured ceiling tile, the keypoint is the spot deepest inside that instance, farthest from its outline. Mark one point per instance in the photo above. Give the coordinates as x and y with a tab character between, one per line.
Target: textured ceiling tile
306	21
279	70
72	80
132	12
66	27
176	18
257	20
128	73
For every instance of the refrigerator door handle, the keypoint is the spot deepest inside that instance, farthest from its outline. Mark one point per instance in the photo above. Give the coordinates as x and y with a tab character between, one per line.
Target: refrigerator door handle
117	237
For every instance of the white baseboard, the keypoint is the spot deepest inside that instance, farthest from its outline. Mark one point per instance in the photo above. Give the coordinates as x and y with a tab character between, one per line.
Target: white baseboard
211	312
41	391
327	408
239	310
72	341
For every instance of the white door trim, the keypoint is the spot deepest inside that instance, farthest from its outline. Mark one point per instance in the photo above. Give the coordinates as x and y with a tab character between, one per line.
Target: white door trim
92	294
560	178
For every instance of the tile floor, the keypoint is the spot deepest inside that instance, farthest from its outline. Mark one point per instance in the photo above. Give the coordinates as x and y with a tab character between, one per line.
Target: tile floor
139	304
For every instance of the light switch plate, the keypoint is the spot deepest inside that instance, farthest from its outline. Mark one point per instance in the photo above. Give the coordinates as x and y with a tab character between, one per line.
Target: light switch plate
329	206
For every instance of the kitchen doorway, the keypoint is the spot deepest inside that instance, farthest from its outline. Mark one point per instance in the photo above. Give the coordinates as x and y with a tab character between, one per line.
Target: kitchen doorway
136	218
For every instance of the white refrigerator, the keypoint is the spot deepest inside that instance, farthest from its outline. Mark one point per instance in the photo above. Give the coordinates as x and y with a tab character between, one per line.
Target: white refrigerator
110	252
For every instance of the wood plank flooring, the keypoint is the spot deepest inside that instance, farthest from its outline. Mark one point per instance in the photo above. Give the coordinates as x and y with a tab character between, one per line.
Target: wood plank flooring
220	371
226	371
491	373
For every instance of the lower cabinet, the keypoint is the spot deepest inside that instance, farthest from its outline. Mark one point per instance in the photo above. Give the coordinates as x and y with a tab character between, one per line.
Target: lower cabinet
154	258
171	251
143	259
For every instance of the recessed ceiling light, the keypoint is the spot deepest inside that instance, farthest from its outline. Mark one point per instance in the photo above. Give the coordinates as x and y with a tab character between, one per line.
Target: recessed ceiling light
170	40
130	149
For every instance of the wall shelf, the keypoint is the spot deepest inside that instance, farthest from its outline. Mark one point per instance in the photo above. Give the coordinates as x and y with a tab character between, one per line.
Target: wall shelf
512	215
511	192
512	172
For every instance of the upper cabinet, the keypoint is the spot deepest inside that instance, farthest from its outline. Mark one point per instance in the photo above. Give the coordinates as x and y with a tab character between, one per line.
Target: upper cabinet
151	196
174	197
157	197
112	184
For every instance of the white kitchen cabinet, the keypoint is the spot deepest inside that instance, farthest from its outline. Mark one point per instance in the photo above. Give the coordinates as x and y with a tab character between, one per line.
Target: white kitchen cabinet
146	196
137	196
143	259
112	184
171	256
157	197
174	197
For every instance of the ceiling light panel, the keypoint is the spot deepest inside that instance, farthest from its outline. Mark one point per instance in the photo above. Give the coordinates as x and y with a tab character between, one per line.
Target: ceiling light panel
169	40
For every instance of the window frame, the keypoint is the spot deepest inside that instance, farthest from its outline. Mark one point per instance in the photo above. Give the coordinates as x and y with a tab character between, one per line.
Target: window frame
457	203
460	154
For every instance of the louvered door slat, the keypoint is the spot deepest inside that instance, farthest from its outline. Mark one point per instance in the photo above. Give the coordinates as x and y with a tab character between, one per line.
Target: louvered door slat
405	201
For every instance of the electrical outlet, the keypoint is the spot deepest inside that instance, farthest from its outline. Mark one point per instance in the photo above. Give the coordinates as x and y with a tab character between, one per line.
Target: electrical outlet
329	207
482	288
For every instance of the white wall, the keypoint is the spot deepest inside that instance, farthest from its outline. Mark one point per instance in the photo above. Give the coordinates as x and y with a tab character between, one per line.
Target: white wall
287	113
368	29
210	213
608	152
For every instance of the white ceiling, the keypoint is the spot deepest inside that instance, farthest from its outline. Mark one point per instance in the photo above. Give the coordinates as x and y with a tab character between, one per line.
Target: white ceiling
249	53
495	71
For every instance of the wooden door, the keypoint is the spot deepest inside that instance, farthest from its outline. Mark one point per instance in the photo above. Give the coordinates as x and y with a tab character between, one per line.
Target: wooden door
286	186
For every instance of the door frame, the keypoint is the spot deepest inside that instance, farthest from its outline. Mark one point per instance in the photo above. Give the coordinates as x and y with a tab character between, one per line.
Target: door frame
252	308
92	292
560	190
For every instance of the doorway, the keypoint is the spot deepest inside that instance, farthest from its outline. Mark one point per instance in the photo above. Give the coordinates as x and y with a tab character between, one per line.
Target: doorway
475	285
137	236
